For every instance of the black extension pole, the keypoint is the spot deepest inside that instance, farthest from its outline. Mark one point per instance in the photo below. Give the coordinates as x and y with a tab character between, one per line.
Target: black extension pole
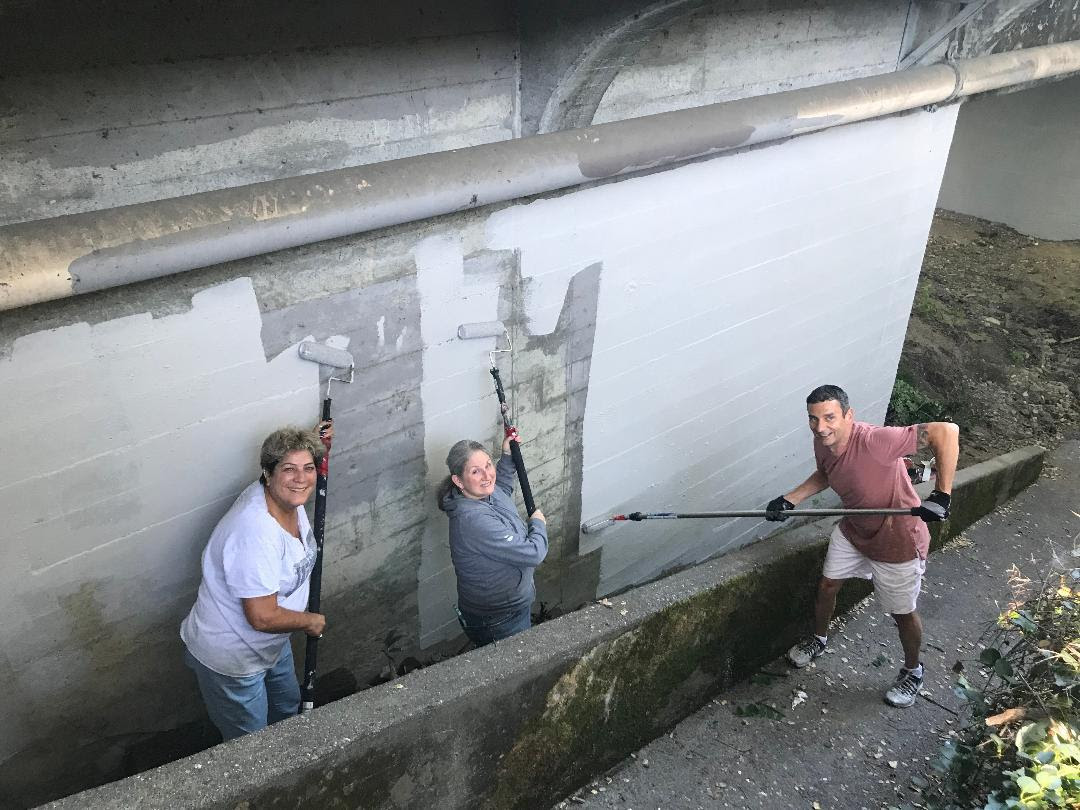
311	652
515	448
597	525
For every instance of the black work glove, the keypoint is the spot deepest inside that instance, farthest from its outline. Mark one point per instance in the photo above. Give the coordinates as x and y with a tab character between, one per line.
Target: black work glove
935	508
775	509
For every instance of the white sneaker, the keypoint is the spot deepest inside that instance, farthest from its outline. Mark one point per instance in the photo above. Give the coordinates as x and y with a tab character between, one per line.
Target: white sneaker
805	651
904	690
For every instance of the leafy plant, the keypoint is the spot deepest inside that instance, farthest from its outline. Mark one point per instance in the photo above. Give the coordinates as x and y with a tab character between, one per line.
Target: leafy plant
1022	748
925	305
909	406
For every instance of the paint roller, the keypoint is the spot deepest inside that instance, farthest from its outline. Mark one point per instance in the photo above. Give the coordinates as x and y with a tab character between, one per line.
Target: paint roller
339	361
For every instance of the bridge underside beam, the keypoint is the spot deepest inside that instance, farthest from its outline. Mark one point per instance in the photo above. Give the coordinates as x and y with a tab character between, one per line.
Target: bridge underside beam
65	256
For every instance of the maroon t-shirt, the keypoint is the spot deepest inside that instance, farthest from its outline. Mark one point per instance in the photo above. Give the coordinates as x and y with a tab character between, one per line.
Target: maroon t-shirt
871	474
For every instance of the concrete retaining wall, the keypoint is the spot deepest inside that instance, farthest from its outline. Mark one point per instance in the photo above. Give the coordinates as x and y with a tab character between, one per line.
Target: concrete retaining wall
1016	159
654	322
521	723
653	319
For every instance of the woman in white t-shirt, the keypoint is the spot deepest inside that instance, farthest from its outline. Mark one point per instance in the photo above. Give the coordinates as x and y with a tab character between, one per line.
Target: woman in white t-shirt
254	591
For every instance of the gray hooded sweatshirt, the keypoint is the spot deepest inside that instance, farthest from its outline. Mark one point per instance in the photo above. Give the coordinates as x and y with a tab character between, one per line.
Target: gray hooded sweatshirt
494	552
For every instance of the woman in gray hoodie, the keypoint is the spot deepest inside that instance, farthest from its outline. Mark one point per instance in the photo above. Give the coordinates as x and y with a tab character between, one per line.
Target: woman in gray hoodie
493	550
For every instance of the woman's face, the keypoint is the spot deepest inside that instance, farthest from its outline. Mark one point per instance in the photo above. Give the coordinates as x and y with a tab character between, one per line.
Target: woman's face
293	480
477	479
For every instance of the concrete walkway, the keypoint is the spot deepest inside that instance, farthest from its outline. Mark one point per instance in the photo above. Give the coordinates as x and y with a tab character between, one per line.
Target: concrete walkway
842	746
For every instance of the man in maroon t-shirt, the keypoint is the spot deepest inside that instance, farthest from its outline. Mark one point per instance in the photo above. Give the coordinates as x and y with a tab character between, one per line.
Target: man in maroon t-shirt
864	465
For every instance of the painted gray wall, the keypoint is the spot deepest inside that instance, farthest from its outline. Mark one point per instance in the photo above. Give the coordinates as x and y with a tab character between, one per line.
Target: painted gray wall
640	380
728	290
1016	159
642	312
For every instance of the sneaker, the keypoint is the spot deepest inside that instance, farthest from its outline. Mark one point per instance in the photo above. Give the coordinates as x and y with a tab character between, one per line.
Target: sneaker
904	690
805	651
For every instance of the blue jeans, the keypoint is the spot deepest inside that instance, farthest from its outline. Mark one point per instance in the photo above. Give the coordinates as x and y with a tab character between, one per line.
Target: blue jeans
240	706
483	630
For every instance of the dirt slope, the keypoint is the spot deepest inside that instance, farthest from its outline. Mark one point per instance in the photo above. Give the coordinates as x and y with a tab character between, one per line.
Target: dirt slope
994	338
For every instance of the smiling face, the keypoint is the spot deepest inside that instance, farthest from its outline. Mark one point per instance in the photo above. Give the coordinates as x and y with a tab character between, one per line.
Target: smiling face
292	481
477	479
830	424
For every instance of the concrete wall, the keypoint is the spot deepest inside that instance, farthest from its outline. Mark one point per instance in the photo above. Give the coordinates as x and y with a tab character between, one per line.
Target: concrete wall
594	62
728	52
523	723
78	137
720	301
660	323
1016	159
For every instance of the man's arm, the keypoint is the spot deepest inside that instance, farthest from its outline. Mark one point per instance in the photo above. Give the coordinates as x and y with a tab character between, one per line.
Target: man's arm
808	488
811	486
944	439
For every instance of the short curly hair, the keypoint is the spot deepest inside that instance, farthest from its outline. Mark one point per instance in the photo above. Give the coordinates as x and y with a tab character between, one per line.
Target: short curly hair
287	440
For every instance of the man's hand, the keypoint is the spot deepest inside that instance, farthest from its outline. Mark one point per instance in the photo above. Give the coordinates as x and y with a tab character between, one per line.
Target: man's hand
775	509
935	508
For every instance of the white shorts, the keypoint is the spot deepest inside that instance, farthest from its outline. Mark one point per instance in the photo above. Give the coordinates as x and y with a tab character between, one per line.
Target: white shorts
897	585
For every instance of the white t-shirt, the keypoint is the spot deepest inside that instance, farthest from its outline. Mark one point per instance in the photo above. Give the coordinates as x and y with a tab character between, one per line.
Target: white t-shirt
248	555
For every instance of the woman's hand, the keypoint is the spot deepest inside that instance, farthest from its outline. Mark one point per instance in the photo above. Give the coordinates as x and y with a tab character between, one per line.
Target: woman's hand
511	435
325	430
539	516
316	624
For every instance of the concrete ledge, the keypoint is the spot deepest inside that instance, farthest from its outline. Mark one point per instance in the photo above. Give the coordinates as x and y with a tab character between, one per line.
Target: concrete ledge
520	724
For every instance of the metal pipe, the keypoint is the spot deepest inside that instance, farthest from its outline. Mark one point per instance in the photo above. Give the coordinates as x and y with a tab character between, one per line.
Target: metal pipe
80	253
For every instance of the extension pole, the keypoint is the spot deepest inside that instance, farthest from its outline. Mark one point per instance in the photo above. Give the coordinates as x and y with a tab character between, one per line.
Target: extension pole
597	525
515	448
340	360
311	651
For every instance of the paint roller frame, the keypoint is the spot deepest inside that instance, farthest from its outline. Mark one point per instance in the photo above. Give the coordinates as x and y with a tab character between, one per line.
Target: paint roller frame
337	359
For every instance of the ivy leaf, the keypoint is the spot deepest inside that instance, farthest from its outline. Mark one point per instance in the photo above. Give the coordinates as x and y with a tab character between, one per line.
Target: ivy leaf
990	656
1030	734
1022	620
1028	787
1048	779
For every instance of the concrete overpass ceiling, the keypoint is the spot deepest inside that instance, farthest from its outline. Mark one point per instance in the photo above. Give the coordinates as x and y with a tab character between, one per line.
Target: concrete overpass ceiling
979	27
53	35
684	53
124	108
1027	24
733	51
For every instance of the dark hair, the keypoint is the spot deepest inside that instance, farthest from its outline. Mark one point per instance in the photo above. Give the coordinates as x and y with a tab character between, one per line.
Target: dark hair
824	393
284	441
456	460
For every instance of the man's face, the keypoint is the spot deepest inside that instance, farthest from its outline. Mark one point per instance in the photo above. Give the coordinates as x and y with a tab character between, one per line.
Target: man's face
831	426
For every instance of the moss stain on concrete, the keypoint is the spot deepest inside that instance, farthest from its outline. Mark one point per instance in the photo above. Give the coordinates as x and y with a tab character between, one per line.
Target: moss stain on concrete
627	690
